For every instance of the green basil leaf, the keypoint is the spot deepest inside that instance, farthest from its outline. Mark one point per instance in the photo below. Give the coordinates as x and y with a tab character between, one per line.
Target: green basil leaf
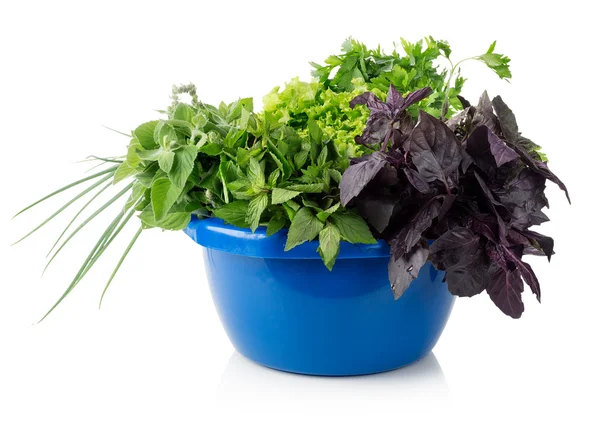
234	213
353	228
183	165
163	195
255	173
329	245
312	188
144	133
123	172
256	207
304	227
276	223
165	160
279	195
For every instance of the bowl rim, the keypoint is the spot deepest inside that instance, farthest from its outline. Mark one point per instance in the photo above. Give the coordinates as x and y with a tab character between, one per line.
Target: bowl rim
214	233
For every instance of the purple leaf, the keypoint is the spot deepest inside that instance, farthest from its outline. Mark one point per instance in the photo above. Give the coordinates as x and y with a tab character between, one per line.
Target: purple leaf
505	289
545	243
484	114
416	180
394	98
541	168
377	211
526	272
507	120
416	96
405	269
403	241
357	176
458	253
435	150
502	153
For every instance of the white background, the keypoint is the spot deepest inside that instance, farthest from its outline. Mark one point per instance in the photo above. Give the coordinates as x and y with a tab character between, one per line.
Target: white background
155	359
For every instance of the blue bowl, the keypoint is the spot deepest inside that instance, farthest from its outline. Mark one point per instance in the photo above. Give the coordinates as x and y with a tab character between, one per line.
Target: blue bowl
285	310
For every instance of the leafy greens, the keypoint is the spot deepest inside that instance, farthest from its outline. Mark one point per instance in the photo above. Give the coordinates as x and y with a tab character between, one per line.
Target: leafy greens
282	167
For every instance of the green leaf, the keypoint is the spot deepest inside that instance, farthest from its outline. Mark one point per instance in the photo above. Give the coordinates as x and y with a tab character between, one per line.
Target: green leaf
145	134
184	112
183	164
234	213
92	257
255	174
172	221
304	227
290	211
497	62
315	132
335	175
300	158
273	177
322	159
326	213
123	172
69	186
150	155
84	207
353	228
280	160
211	149
114	273
163	195
256	207
276	223
165	160
66	205
329	245
133	159
90	218
164	134
312	188
312	204
137	192
291	203
279	195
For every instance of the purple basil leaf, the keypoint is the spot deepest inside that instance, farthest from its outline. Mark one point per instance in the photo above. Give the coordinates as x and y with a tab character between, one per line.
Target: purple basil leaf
483	142
497	208
370	100
458	253
435	150
505	289
376	130
545	243
507	120
486	225
415	179
404	270
394	98
377	211
357	176
526	272
484	114
447	203
502	153
403	241
416	96
375	105
541	168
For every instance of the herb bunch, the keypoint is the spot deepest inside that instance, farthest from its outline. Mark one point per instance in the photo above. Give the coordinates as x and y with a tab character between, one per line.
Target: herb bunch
278	168
473	185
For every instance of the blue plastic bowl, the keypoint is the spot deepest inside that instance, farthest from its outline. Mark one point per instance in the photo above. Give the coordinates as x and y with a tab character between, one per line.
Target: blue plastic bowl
285	310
